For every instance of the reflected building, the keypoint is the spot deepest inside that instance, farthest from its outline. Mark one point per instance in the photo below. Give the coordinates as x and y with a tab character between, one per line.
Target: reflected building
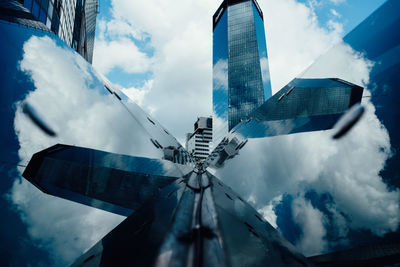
74	21
241	80
198	143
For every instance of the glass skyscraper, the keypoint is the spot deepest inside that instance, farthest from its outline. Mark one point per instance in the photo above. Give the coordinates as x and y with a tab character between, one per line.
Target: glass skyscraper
240	62
74	21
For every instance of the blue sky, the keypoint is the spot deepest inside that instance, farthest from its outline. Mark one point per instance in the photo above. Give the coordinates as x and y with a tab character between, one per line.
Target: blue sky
347	12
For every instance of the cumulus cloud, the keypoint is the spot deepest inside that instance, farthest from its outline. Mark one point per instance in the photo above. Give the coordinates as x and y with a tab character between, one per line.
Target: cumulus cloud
265	70
268	211
138	94
311	222
179	32
294	43
65	229
122	53
347	170
220	75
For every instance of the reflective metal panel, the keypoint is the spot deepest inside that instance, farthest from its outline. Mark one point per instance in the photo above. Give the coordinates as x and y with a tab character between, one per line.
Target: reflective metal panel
67	96
112	182
327	172
303	105
137	240
377	40
71	99
248	239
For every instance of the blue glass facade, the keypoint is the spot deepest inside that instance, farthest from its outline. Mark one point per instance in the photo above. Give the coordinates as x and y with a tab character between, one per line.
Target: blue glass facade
220	75
378	37
47	11
74	21
240	63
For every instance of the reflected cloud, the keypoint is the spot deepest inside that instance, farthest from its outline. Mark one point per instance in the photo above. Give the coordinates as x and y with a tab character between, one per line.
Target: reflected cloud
265	70
347	171
83	113
220	75
341	62
220	128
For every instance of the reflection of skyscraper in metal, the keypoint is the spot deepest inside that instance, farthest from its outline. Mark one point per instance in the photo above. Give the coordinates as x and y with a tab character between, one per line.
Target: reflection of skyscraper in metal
240	62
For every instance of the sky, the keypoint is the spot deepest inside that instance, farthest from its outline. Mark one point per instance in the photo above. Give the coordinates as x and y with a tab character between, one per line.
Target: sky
160	54
165	53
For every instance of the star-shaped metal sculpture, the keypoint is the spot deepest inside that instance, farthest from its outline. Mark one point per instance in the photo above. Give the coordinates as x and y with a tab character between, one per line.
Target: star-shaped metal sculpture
179	214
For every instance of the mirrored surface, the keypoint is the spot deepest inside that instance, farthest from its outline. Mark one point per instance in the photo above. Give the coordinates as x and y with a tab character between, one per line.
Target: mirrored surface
50	95
116	183
304	105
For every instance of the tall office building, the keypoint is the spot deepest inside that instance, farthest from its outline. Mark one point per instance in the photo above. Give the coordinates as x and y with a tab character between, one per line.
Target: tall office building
74	21
241	80
198	143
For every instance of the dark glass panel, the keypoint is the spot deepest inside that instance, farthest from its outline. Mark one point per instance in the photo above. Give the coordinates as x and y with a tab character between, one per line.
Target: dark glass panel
28	4
116	183
137	240
35	9
248	239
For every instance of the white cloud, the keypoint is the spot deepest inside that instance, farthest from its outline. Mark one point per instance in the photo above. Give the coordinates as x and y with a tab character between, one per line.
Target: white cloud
138	94
180	34
122	53
311	222
348	170
65	229
341	62
268	211
295	42
335	13
337	2
220	75
121	28
265	70
335	26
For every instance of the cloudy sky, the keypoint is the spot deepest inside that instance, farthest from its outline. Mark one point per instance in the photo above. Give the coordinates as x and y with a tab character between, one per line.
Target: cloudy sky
160	54
162	57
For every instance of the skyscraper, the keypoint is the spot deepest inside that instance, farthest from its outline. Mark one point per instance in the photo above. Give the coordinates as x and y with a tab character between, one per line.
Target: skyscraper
240	62
74	21
198	142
